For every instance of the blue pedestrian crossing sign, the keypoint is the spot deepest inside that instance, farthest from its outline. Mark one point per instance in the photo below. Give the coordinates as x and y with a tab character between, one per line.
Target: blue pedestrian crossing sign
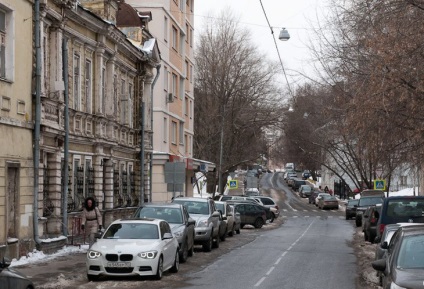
380	185
233	184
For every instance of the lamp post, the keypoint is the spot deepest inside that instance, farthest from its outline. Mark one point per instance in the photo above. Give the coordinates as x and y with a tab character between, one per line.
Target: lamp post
221	149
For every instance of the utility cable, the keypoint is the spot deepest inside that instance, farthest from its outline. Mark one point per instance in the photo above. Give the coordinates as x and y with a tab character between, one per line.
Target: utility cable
278	52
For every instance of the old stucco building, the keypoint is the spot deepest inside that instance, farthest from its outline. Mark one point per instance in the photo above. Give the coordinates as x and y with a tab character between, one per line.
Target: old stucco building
95	94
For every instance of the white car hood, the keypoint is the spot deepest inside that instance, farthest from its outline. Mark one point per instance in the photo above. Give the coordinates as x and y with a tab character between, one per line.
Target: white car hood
125	245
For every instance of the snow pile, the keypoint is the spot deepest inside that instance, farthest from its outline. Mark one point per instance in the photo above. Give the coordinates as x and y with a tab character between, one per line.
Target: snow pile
36	256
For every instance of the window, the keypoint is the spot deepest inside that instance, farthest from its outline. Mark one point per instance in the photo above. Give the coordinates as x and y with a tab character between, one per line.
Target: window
181	133
174	38
123	112
165	31
191	37
174	132
191	73
191	109
190	144
103	94
187	68
174	84
182	87
129	104
87	88
187	106
3	43
76	82
187	31
165	79
165	130
186	142
182	5
181	43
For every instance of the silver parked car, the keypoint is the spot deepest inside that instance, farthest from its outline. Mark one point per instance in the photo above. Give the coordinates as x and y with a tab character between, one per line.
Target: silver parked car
12	279
227	217
182	226
207	218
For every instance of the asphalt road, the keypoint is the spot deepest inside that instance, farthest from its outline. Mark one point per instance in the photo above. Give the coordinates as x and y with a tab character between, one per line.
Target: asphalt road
305	248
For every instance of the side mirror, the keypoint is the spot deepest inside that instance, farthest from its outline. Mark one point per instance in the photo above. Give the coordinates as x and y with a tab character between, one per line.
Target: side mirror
167	236
191	222
379	265
385	245
5	263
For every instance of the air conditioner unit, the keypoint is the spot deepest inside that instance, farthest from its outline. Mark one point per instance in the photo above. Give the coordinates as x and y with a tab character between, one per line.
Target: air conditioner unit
170	98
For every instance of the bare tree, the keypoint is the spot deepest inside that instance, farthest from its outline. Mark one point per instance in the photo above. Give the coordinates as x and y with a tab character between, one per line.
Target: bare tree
235	95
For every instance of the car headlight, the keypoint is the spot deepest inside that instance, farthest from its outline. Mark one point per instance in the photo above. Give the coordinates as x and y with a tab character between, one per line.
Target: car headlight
394	286
93	254
202	223
178	234
148	255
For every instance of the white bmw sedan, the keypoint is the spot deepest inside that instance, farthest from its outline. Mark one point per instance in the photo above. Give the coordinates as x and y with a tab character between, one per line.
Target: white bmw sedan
141	247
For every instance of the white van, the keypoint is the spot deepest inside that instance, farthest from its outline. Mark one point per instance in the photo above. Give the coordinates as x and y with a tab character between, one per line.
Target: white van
290	167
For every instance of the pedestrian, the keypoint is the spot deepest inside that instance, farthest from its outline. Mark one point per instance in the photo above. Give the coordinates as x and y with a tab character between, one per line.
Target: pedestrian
91	219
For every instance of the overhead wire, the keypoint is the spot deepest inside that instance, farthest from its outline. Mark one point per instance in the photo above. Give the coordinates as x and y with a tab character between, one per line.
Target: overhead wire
278	51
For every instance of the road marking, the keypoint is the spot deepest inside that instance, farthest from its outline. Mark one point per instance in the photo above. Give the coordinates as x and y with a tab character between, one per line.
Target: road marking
305	210
270	270
295	216
279	259
294	210
284	254
285	210
260	281
291	246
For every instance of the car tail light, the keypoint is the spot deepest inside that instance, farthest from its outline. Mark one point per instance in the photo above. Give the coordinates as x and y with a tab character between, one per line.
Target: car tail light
381	228
276	207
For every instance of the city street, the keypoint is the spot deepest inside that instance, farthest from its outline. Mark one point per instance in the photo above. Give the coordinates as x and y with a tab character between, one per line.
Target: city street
306	248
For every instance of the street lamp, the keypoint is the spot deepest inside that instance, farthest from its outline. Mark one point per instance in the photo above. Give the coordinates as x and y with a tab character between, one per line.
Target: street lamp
284	35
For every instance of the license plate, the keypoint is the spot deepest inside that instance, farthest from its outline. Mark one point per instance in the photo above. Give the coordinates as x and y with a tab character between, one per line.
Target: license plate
119	264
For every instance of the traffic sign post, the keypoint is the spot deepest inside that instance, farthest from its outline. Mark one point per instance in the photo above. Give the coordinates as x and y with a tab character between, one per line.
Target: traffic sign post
380	185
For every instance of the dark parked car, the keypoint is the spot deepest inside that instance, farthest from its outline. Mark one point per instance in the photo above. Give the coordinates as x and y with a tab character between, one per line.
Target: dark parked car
351	208
369	222
306	174
269	203
401	209
313	196
363	204
305	191
403	265
207	217
297	183
182	226
251	214
12	279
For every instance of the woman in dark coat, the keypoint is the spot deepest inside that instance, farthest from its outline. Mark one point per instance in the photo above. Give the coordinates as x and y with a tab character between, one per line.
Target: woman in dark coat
91	219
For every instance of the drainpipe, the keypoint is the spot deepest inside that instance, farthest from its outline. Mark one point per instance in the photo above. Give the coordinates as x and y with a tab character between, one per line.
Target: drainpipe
151	126
66	144
142	179
37	123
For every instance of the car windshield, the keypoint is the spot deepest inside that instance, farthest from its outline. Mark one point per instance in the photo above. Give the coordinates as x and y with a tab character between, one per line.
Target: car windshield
171	215
306	188
220	207
363	202
132	231
405	208
352	203
193	207
411	253
329	198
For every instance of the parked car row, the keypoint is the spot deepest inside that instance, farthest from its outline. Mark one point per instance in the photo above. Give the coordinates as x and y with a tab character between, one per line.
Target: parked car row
160	236
396	224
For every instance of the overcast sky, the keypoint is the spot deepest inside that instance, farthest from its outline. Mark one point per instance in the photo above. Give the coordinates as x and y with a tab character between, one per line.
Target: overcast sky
296	16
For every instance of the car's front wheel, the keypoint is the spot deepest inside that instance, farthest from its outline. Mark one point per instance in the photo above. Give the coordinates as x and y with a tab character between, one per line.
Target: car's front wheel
231	233
176	266
92	277
184	251
207	245
159	271
216	242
